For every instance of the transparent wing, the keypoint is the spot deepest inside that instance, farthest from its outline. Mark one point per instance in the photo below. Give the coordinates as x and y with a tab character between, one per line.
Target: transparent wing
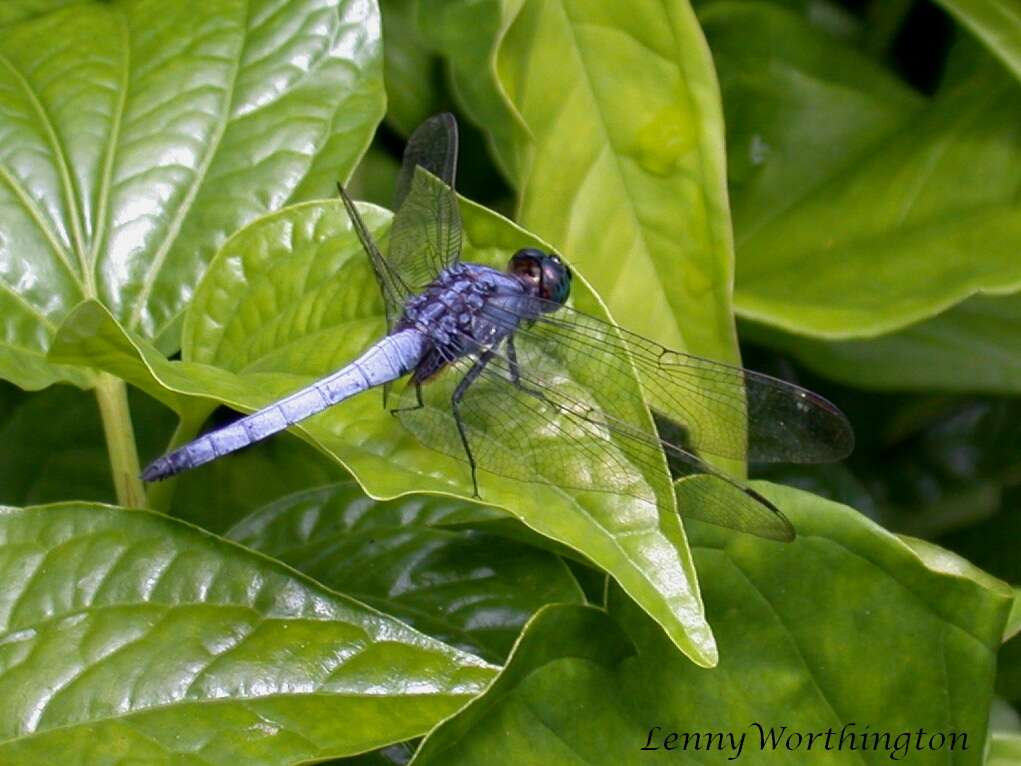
702	406
432	146
395	291
426	234
537	415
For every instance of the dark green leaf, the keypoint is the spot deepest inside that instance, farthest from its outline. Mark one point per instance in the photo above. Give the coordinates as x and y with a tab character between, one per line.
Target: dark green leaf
848	188
409	68
975	347
52	445
847	625
466	33
234	486
468	589
129	637
800	106
375	177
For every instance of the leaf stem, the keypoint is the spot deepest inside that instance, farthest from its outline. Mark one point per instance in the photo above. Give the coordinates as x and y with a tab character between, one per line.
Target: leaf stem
112	396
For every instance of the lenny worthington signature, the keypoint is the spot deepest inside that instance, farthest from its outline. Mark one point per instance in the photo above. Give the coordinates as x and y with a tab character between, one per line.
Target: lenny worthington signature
784	739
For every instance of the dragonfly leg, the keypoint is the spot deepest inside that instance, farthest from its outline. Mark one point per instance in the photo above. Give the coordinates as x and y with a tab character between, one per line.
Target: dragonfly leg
515	372
455	406
418	398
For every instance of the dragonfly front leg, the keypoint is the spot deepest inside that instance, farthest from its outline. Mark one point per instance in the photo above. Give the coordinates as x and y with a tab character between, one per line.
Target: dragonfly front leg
515	372
455	406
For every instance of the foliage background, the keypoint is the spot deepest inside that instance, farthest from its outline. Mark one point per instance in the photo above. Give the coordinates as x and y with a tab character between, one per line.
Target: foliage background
826	191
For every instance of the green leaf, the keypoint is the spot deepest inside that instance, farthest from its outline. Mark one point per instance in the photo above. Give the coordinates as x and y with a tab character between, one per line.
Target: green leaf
846	626
997	23
467	34
126	635
1013	627
375	177
837	216
973	347
800	106
41	462
14	11
137	138
468	589
1008	669
928	467
292	297
545	700
626	175
409	67
1004	749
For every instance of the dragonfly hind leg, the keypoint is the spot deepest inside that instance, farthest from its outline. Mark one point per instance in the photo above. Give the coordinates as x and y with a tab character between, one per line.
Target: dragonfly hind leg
419	404
455	405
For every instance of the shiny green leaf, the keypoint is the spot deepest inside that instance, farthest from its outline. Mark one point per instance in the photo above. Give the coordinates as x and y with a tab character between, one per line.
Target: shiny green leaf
997	23
127	637
973	347
847	626
626	174
291	298
138	135
468	589
860	209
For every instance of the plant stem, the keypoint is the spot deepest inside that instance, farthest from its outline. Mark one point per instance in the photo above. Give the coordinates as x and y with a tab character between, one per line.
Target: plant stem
112	395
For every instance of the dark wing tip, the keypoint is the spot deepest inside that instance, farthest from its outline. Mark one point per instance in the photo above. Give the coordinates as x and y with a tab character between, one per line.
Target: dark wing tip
837	433
783	530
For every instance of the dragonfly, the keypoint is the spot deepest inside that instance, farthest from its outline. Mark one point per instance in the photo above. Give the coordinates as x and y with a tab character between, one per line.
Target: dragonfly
505	375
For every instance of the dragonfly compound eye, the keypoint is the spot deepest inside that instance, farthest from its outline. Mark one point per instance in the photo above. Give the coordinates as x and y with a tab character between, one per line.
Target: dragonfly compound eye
527	264
556	280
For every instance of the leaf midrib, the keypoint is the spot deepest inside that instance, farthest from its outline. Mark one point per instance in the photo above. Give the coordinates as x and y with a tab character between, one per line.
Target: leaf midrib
156	262
99	235
56	146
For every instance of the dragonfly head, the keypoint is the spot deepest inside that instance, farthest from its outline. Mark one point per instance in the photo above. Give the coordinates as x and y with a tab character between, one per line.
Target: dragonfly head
545	275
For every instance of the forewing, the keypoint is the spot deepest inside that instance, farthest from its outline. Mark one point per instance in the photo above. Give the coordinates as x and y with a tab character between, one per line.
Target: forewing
426	234
712	408
573	428
516	434
395	292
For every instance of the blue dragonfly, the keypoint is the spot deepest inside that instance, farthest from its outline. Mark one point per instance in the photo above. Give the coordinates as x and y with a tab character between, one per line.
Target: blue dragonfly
505	375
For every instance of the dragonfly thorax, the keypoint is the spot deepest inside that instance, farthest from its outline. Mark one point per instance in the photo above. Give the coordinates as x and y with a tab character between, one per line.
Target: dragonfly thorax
451	311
